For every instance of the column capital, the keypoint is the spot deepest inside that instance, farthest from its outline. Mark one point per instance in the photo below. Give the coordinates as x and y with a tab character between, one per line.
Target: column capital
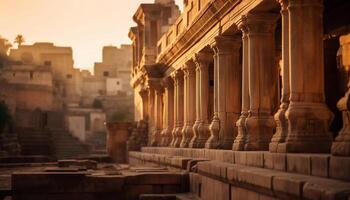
262	23
226	44
202	59
189	66
143	93
177	75
167	82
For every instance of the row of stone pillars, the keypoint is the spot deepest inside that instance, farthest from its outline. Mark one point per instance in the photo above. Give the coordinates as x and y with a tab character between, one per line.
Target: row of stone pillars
244	94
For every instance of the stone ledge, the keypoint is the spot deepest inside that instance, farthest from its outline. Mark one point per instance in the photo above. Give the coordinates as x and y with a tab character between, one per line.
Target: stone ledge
319	165
275	183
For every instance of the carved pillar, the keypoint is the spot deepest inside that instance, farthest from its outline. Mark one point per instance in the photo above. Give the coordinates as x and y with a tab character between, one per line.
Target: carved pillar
151	119
195	139
263	79
241	138
190	102
341	145
168	115
179	108
158	116
144	96
308	116
227	92
201	127
280	117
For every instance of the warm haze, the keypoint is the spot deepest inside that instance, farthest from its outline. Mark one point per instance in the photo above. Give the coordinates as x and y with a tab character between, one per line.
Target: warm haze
85	25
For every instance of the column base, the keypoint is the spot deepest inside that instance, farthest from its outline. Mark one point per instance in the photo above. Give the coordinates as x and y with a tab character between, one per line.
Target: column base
227	144
214	128
178	140
187	132
308	128
240	140
341	148
259	132
238	146
304	147
281	128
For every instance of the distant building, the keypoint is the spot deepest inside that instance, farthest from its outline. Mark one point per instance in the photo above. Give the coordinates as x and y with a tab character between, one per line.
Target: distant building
32	86
116	63
60	59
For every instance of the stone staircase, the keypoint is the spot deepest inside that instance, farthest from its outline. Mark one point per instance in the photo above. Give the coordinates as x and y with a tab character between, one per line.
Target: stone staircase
65	145
34	141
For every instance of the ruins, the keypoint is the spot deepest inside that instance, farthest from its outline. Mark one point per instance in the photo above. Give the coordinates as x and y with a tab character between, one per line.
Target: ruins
233	100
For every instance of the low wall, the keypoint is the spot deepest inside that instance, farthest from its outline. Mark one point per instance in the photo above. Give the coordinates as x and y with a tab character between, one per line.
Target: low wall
227	175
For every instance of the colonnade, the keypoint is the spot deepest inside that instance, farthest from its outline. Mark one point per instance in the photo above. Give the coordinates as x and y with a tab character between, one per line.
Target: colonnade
246	81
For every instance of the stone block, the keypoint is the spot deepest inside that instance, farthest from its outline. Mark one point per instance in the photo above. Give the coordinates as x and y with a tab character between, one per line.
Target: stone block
134	191
240	193
327	189
288	185
320	165
225	156
240	157
299	163
106	184
156	178
255	158
339	168
256	177
213	189
277	161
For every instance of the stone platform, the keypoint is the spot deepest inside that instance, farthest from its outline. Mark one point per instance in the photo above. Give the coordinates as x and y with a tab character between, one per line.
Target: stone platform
88	180
226	174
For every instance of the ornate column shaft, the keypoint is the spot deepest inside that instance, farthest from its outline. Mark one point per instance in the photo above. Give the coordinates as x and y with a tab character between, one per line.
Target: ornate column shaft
168	115
158	114
228	92
201	127
195	139
190	103
308	116
241	138
280	117
341	145
144	97
179	108
151	119
262	80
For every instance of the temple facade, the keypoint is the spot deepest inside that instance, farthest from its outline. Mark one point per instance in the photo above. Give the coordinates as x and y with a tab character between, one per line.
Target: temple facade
260	83
242	75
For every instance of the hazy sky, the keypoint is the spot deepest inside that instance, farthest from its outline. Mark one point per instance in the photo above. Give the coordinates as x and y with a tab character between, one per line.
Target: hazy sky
85	25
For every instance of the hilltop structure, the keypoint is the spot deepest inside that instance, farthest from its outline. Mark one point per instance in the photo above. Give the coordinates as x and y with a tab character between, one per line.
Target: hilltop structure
254	84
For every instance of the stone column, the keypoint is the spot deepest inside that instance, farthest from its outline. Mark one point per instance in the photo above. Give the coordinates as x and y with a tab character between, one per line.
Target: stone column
308	116
341	145
263	79
190	102
144	96
201	127
158	116
179	108
241	138
227	92
151	127
195	139
280	117
168	115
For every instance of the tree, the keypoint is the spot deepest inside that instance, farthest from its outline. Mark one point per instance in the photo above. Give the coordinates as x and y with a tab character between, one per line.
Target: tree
19	40
5	46
5	116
